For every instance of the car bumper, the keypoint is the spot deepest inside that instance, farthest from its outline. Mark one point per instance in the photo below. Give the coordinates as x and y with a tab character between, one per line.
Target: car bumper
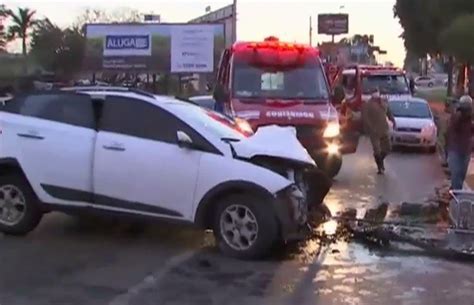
294	209
413	139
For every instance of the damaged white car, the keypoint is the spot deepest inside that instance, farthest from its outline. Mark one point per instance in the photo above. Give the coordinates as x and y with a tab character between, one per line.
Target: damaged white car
129	153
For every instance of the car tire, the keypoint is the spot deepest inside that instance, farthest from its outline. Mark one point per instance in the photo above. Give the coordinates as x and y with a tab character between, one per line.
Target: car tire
22	196
432	149
430	85
267	228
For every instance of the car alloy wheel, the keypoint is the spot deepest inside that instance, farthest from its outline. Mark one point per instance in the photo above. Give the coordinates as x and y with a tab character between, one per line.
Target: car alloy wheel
239	227
12	205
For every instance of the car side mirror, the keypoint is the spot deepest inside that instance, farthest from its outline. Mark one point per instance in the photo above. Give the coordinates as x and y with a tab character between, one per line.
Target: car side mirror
184	140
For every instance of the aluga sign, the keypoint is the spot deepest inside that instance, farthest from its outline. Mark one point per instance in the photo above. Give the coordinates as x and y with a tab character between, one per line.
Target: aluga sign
121	42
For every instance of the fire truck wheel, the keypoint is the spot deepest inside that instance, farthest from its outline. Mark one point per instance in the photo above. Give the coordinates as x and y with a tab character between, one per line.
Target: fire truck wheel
330	165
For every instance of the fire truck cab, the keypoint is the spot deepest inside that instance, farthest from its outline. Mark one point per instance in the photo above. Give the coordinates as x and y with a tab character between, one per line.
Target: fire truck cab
278	83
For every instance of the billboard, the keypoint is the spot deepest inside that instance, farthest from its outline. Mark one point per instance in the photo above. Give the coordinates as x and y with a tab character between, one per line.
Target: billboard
333	24
223	15
179	48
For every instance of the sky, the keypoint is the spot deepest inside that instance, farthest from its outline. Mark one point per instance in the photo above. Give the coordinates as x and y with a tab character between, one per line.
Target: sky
257	19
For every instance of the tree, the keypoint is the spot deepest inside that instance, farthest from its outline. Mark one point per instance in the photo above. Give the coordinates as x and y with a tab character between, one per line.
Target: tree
423	21
3	36
118	15
457	38
23	21
57	50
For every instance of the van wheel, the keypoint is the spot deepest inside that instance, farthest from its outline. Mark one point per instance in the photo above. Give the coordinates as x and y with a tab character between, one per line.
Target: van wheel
432	149
245	227
19	209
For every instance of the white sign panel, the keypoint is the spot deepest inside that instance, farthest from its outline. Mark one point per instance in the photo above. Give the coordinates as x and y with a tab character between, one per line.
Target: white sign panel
192	48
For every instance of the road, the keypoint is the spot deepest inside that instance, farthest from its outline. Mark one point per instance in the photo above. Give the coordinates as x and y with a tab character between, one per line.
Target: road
70	261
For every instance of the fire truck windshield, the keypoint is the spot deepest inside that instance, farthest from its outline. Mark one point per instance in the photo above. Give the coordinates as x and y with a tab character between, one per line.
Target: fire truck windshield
306	82
387	84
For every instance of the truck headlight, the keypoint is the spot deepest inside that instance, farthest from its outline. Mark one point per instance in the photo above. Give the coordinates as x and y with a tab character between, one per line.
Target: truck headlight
332	130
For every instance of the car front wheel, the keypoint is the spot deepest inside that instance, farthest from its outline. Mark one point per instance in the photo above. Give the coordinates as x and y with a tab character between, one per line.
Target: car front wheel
245	226
19	210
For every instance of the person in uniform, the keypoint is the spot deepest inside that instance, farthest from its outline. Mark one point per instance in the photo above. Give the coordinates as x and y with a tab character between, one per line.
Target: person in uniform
374	116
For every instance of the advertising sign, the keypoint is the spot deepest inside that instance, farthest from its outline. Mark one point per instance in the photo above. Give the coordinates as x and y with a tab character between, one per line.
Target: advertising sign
148	47
333	24
192	49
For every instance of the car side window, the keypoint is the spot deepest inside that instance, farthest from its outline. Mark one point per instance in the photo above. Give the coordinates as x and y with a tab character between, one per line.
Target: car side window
141	119
73	109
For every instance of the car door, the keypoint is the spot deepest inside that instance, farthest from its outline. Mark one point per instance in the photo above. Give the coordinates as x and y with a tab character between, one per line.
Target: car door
55	136
138	166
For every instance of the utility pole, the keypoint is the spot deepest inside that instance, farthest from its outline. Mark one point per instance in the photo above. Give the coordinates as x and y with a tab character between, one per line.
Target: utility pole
234	21
310	31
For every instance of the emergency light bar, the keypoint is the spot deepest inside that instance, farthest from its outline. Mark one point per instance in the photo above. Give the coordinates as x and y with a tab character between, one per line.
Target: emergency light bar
274	43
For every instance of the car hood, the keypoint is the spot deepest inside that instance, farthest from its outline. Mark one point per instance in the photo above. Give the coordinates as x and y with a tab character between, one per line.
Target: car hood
273	141
412	122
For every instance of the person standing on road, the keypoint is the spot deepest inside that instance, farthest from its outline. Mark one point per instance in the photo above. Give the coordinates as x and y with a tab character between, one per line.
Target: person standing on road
374	116
459	142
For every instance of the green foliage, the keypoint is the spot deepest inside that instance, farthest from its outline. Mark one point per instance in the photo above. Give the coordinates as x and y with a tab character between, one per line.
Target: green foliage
60	51
22	22
423	21
458	38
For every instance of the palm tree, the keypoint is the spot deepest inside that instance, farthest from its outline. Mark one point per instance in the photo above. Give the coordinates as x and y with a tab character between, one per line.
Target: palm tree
23	21
3	37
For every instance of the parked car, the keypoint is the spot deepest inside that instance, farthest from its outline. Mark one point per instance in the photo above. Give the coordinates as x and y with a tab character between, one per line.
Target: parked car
124	152
425	81
415	124
205	101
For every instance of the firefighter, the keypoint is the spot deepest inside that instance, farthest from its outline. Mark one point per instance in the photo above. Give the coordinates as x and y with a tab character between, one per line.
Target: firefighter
374	116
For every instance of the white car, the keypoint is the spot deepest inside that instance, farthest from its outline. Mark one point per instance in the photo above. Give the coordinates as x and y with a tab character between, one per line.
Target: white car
415	125
425	81
126	152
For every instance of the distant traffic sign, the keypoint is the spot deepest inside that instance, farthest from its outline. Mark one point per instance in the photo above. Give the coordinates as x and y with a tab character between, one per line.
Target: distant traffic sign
333	24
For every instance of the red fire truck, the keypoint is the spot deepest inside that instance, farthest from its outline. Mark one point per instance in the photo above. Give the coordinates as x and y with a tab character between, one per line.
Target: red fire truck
273	82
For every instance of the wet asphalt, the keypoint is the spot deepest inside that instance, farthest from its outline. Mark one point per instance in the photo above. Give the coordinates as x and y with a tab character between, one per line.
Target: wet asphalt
90	261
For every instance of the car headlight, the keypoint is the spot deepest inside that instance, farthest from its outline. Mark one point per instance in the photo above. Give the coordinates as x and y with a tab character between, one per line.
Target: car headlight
332	130
428	129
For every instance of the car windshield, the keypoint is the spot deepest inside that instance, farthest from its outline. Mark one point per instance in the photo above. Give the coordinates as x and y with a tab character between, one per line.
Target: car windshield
215	123
306	82
410	110
387	84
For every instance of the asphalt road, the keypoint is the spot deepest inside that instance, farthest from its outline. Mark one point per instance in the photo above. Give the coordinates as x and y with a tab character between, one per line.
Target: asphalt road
68	261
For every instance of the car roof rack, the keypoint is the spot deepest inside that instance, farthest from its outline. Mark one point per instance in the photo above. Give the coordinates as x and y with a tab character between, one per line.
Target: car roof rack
108	89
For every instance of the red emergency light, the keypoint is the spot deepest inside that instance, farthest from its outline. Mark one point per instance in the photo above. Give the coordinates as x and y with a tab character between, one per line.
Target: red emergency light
273	43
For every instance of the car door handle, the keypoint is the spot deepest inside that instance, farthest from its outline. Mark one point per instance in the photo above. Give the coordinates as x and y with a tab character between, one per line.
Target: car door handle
114	147
30	136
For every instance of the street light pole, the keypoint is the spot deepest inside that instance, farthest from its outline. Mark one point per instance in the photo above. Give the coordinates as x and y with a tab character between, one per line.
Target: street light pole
234	21
310	31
